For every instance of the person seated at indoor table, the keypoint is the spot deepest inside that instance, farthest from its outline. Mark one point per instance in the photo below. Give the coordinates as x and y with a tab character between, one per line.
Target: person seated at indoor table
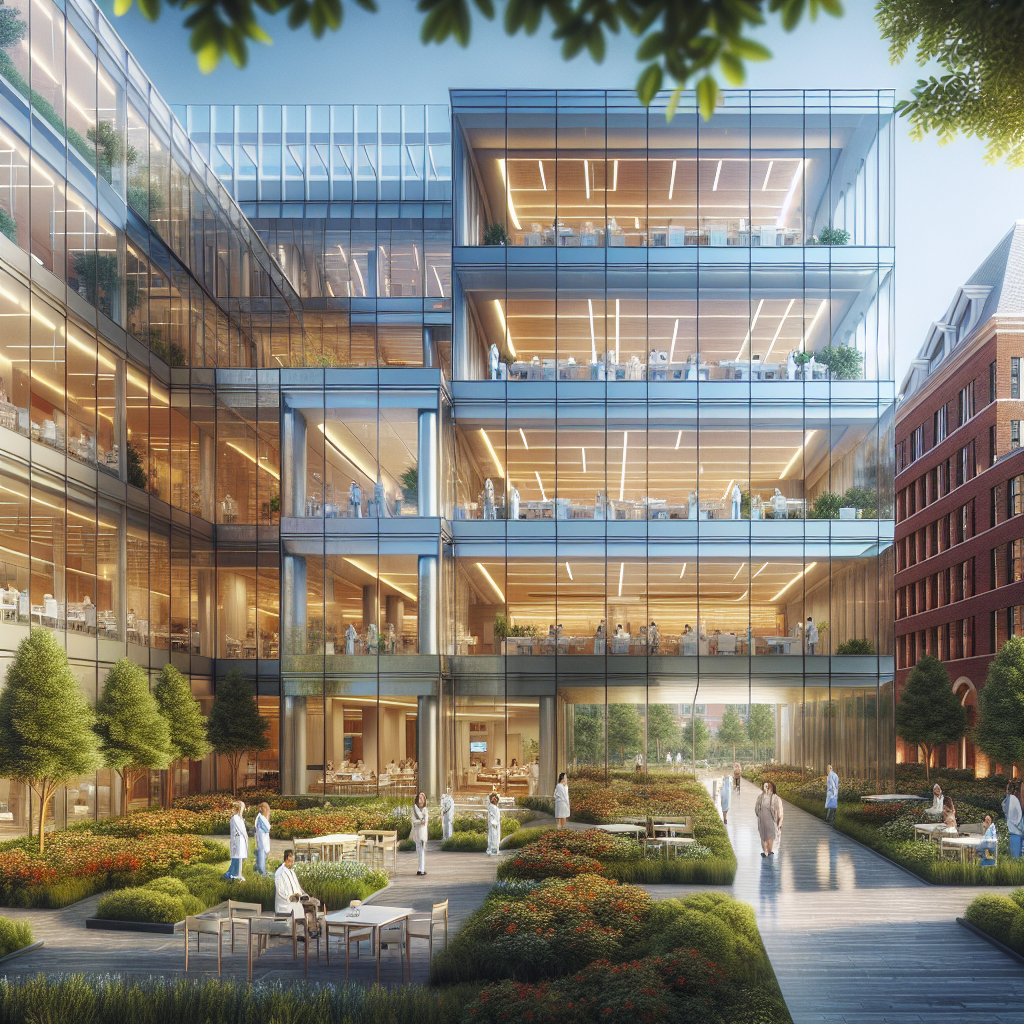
391	766
687	629
514	764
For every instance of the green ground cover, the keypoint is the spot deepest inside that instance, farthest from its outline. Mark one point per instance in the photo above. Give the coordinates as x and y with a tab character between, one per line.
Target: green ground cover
889	828
14	935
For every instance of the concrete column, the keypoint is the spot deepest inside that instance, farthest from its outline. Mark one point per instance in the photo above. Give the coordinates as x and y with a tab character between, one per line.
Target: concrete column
548	743
426	612
428	347
426	747
207	475
371	752
293	463
293	745
394	612
427	469
293	619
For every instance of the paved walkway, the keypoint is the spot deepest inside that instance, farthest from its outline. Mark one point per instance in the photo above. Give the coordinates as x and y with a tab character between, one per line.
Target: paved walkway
854	939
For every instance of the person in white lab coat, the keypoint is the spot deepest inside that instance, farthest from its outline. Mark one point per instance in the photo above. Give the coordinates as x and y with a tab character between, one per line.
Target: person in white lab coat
562	800
290	899
831	795
420	817
493	826
238	842
447	814
262	838
811	635
725	795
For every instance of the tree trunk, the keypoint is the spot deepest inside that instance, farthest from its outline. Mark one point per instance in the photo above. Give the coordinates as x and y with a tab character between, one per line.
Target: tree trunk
45	796
927	762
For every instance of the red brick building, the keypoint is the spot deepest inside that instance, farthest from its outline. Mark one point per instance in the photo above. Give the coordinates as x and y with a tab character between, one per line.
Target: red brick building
960	488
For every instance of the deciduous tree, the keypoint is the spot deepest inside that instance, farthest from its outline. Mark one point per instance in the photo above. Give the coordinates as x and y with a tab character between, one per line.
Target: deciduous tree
761	726
625	730
732	730
236	726
928	713
134	736
186	723
662	730
46	724
1000	729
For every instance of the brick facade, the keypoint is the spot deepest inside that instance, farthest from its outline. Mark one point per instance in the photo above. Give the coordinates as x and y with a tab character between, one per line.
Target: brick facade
959	522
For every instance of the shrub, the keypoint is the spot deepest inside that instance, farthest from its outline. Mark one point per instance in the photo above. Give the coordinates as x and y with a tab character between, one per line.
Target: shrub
14	935
525	836
465	842
995	915
1015	940
147	905
169	886
856	646
843	361
541	862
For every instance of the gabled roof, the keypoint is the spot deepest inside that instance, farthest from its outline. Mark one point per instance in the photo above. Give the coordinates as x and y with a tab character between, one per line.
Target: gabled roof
995	289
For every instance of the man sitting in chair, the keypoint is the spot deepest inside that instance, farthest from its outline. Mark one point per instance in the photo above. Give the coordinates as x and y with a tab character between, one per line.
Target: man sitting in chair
290	899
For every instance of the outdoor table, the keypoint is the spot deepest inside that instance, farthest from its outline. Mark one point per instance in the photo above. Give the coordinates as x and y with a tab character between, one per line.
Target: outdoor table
671	828
939	831
962	845
892	798
623	830
372	917
676	843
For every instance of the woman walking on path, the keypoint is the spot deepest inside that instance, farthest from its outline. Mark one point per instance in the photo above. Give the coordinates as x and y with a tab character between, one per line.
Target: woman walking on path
767	827
737	774
493	826
262	838
562	800
239	843
777	811
831	795
725	793
419	831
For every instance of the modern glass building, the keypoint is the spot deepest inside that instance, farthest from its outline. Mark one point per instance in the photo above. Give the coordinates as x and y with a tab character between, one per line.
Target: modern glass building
270	402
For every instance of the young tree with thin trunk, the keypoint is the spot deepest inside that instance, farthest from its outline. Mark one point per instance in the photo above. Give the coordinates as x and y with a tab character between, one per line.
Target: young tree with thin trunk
46	724
134	737
929	714
1000	729
732	730
236	727
761	726
186	723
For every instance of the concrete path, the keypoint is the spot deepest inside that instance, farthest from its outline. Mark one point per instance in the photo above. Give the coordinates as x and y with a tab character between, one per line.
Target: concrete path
854	939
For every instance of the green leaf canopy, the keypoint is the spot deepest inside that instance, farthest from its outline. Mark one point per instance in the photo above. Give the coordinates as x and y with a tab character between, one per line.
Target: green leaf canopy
929	713
1000	729
133	734
185	720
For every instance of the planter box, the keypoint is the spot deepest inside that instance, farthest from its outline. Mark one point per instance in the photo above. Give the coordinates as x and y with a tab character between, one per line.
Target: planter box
20	952
152	927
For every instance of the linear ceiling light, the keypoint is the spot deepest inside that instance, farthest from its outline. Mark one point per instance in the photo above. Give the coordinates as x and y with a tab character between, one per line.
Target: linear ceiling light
796	454
728	488
593	336
504	325
779	331
672	180
523	436
615	176
487	576
252	458
739	570
368	471
494	454
586	176
616	330
672	348
622	478
543	180
543	496
759	571
714	188
679	438
622	571
568	570
793	580
753	324
683	572
817	316
742	596
767	175
371	573
781	222
584	452
508	194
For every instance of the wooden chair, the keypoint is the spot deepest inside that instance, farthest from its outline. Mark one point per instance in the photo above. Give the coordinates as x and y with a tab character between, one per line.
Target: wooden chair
207	926
241	913
424	926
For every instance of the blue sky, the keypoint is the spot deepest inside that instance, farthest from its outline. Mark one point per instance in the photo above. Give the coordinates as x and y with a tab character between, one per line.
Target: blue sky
951	210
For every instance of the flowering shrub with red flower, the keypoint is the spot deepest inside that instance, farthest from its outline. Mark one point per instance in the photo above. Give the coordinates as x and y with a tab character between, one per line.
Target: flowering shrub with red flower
679	988
102	860
564	853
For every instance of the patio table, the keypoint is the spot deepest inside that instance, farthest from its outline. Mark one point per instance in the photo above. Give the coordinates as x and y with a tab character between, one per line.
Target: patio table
893	798
624	830
372	917
962	845
336	839
936	832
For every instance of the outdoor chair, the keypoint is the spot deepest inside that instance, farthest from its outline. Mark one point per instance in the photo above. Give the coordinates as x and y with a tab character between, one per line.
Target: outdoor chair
241	913
424	926
197	926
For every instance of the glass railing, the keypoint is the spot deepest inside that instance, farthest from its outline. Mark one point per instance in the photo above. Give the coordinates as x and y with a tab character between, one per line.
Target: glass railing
658	367
666	644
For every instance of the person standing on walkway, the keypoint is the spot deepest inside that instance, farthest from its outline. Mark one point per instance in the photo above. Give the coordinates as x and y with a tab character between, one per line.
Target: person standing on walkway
447	814
238	843
1014	815
562	800
725	795
777	811
262	838
831	795
737	774
419	831
493	826
767	828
